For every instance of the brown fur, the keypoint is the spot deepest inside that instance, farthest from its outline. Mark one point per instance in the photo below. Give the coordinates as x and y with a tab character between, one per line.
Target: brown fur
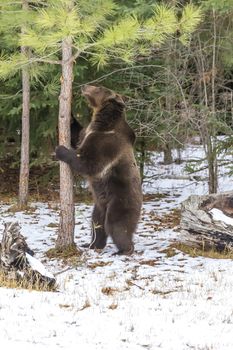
105	157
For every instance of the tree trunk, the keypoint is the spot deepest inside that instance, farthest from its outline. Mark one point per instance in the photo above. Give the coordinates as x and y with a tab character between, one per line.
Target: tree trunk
212	165
207	221
179	156
142	157
66	230
208	131
24	164
167	154
213	169
169	103
213	177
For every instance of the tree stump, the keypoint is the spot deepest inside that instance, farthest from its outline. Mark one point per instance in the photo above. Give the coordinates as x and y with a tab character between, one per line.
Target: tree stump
207	221
17	261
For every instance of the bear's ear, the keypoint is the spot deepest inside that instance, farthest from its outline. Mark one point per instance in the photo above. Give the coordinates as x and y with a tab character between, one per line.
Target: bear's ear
119	100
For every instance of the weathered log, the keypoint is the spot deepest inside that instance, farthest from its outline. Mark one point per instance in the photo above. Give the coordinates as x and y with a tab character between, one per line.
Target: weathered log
17	261
207	221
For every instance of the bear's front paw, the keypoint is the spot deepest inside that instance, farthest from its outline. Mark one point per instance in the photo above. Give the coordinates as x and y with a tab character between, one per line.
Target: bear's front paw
62	153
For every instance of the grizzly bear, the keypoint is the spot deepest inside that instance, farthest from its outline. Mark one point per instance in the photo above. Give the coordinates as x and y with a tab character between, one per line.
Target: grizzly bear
104	156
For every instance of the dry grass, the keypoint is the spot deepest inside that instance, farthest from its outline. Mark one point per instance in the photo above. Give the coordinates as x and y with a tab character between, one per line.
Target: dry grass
162	292
154	196
151	262
53	225
167	221
7	281
26	208
99	264
85	305
170	251
65	306
198	251
109	290
113	306
7	198
63	253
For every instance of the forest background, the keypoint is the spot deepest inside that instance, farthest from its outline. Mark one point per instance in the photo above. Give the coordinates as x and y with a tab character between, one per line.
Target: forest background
172	60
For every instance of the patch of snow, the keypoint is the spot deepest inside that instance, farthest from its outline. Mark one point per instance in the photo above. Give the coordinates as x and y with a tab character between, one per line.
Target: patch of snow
149	300
174	180
218	215
36	265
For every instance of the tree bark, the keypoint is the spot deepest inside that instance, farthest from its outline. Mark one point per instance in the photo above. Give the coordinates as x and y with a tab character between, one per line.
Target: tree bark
212	164
24	164
208	133
66	229
207	221
167	154
213	177
142	158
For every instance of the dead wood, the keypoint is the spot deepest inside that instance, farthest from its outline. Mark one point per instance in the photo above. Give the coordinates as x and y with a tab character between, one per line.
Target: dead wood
207	221
17	261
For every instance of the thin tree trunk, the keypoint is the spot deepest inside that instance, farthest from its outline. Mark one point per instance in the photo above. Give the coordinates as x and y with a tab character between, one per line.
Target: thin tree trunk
167	154
24	164
207	134
179	156
214	153
169	62
66	230
142	158
212	178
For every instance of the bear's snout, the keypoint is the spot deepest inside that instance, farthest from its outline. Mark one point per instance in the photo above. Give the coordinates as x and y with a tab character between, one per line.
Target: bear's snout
88	89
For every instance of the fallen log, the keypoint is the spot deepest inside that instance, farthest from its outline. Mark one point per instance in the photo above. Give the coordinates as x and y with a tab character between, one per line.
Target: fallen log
207	221
17	261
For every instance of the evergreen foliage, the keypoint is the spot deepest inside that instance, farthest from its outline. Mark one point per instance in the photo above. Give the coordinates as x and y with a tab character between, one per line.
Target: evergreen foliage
159	54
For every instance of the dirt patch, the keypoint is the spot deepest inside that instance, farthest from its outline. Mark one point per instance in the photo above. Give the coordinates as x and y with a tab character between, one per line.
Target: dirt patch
148	262
99	264
167	221
154	197
109	290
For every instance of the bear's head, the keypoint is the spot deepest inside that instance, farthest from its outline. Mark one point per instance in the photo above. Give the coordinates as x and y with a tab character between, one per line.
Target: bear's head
99	97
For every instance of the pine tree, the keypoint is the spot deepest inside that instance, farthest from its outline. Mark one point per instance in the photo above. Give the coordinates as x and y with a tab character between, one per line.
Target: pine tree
16	19
66	232
24	164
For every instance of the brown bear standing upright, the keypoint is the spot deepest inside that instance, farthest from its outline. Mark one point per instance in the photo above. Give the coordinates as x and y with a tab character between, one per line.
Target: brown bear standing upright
104	156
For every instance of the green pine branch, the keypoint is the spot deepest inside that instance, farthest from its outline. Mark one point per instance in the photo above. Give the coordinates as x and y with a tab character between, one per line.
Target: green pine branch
190	19
93	33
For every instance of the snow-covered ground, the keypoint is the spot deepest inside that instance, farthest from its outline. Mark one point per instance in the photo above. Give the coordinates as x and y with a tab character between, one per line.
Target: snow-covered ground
145	301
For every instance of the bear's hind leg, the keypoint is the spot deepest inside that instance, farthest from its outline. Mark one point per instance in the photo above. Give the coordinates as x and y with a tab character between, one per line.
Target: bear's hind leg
121	232
99	237
124	244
